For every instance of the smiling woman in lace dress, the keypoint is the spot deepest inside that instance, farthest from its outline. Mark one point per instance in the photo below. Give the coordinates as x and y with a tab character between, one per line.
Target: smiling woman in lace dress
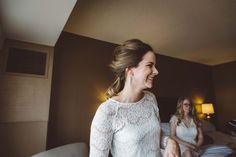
128	122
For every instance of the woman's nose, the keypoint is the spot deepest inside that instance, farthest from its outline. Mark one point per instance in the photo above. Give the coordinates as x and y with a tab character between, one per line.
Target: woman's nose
155	71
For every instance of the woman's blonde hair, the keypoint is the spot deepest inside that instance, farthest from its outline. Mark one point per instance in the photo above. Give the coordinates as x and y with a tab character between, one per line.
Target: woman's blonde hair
180	113
127	55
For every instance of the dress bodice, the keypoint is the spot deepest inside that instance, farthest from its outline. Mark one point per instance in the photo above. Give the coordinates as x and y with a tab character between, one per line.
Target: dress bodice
127	129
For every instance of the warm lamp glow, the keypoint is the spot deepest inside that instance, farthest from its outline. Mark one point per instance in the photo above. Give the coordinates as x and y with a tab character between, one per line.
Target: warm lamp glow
207	109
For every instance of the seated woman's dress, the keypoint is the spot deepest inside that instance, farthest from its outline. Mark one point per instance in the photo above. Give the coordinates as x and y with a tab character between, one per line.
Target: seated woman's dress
185	133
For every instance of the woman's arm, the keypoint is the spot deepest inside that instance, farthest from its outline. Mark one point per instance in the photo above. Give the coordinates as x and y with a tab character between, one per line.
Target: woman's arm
173	135
172	148
101	133
200	137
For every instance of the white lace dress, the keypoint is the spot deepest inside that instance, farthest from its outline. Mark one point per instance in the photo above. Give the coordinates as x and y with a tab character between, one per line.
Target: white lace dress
185	133
127	129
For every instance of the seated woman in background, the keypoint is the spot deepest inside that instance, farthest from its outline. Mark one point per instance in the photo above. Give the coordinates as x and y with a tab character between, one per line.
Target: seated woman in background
185	128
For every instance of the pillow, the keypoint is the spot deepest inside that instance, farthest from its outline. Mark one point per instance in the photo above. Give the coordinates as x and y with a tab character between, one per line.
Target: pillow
207	140
165	129
207	126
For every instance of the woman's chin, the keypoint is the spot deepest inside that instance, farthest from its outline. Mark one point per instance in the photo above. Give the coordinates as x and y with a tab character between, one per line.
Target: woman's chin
149	85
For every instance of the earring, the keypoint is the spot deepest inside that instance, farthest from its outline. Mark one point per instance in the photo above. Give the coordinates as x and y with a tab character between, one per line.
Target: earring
131	78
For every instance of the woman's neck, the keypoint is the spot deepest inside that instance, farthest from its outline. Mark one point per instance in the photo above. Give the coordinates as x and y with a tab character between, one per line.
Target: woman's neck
186	116
130	95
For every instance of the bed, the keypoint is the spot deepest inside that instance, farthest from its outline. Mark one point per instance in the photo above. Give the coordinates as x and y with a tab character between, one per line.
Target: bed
216	143
214	137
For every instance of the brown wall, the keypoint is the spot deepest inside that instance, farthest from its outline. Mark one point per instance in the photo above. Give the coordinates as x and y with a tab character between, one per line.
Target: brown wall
2	37
81	75
22	139
179	78
224	77
24	106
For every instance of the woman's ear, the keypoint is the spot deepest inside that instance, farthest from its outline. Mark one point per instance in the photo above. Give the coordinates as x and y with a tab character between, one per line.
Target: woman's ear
129	71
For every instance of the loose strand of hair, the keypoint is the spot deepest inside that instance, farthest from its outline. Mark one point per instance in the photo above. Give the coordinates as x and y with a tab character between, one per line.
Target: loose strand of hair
114	88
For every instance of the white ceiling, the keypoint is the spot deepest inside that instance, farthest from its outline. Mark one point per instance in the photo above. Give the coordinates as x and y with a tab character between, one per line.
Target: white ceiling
201	31
36	21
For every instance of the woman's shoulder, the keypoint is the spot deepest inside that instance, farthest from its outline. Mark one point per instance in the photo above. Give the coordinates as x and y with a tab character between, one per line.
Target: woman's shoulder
148	93
107	107
151	98
103	118
197	122
173	119
174	116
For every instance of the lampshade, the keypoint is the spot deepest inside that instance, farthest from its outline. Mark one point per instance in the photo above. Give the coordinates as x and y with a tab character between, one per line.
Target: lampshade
207	109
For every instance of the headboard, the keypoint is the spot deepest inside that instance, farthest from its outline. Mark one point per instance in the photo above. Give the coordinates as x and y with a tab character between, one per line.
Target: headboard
167	107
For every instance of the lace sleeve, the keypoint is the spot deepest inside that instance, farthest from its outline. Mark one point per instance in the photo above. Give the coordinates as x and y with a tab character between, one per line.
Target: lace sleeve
101	133
154	104
163	138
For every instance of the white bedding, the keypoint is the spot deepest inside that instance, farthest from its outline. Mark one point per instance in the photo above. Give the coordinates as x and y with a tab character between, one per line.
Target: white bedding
223	144
218	137
222	138
214	150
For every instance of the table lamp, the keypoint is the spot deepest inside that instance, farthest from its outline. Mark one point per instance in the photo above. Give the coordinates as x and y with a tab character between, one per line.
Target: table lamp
207	109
